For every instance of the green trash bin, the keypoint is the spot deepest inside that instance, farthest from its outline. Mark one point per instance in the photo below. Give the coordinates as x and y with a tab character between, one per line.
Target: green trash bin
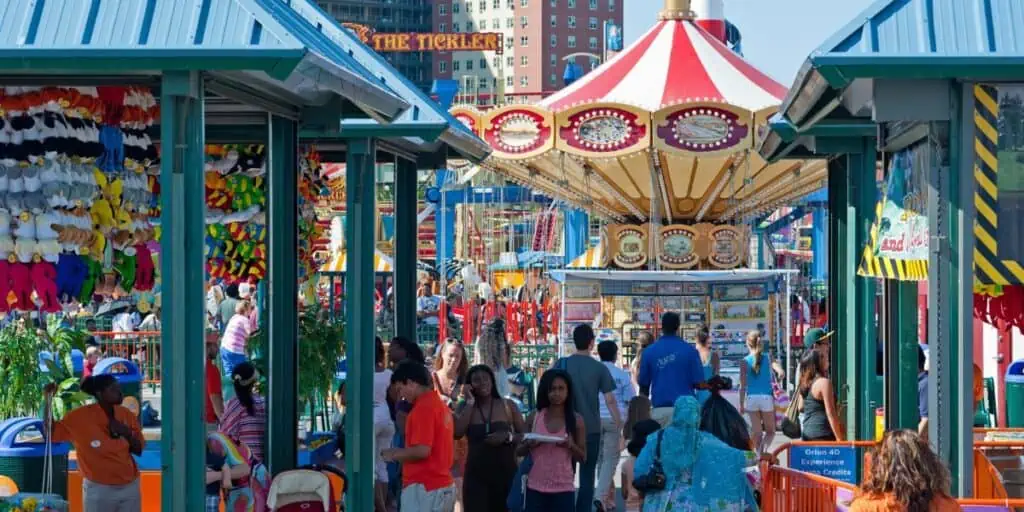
1015	394
23	456
128	376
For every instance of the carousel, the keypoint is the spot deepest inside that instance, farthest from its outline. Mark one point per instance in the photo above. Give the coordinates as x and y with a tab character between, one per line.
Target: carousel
660	142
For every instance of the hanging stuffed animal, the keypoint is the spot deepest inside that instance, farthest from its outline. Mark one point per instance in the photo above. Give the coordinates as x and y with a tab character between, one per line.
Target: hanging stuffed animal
33	198
92	276
71	274
124	266
145	271
44	282
21	286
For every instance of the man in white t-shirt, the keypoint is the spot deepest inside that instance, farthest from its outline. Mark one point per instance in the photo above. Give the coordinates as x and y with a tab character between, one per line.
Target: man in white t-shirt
611	435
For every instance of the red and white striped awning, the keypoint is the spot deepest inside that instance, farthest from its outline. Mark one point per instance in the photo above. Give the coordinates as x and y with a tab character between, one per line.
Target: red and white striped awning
675	62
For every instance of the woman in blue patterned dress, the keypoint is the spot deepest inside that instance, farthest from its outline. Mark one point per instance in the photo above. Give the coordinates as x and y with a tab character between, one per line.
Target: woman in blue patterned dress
703	473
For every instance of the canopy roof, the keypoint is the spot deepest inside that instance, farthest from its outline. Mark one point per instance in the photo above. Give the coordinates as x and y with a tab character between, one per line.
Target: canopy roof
667	129
258	45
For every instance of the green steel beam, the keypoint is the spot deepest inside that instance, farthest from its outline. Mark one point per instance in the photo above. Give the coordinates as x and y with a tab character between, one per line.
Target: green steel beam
282	276
841	70
429	132
183	448
360	200
406	242
901	366
828	127
860	214
279	64
840	287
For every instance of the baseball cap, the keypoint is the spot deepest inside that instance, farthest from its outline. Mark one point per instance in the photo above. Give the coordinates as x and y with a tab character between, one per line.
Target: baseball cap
815	336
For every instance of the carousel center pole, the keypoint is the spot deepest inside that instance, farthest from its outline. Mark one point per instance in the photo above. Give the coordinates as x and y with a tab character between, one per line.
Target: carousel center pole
676	10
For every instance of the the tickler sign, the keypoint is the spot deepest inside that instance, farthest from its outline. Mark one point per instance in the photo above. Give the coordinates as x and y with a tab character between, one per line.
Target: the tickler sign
427	41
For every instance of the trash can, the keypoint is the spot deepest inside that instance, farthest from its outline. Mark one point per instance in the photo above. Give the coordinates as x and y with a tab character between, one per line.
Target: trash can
1015	394
127	374
23	454
77	361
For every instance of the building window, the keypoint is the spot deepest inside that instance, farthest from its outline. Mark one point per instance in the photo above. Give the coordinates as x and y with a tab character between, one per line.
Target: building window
524	61
592	23
593	5
510	23
455	65
524	41
554	40
442	66
554	20
483	63
509	82
469	26
572	41
496	63
553	59
483	25
496	23
593	43
456	7
510	61
483	83
455	27
611	5
594	63
442	9
469	65
572	4
524	81
572	21
509	42
483	6
496	5
442	27
524	3
524	21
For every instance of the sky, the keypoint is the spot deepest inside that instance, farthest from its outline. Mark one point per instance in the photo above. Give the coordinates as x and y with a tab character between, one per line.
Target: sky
777	34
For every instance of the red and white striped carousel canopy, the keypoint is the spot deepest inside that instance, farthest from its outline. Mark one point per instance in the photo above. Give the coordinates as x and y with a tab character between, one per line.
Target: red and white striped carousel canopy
675	62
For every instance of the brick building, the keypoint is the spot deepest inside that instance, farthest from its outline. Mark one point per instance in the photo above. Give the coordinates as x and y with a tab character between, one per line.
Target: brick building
537	35
392	16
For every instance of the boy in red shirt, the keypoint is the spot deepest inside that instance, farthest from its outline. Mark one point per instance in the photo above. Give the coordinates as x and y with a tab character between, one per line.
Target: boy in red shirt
427	484
214	395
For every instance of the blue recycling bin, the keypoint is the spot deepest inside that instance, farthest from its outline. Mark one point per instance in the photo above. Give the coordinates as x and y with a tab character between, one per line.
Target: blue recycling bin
23	455
128	377
1015	394
77	361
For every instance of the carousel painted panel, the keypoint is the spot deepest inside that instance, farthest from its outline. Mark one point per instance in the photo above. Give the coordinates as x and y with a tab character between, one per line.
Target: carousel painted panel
705	129
678	247
603	130
519	131
468	116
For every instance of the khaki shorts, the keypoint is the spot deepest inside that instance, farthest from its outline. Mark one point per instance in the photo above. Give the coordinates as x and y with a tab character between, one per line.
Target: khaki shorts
416	498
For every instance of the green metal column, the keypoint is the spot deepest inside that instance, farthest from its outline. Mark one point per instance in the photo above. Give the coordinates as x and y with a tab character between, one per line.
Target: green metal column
360	198
840	288
282	276
405	249
901	356
183	219
860	414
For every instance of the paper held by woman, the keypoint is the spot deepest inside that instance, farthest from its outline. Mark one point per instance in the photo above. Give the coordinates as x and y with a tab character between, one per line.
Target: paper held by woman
541	438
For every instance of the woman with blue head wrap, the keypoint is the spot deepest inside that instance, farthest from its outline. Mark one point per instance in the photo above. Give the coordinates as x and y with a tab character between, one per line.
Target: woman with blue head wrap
703	474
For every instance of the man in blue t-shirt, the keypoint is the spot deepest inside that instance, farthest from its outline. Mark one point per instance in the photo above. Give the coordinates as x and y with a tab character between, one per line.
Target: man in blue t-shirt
669	369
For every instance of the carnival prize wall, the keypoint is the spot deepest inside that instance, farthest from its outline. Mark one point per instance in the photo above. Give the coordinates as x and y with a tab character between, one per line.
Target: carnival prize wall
77	168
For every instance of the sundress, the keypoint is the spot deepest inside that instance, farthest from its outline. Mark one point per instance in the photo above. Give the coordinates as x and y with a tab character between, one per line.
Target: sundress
249	495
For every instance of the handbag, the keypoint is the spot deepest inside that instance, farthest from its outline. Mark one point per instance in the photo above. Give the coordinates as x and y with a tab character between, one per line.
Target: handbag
791	423
655	479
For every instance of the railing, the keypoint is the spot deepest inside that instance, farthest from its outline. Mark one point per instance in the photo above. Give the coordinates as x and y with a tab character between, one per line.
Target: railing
788	490
141	347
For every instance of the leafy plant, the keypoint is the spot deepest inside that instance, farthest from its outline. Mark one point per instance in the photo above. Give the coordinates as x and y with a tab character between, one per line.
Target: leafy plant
23	378
321	344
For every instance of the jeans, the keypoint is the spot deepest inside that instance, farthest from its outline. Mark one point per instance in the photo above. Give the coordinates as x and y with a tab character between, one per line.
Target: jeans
228	361
548	502
609	459
585	496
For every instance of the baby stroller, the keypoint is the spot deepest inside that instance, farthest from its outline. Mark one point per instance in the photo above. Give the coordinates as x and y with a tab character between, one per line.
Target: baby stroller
312	488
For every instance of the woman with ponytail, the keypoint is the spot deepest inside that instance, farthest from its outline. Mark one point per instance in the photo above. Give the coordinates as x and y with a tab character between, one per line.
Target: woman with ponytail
756	397
245	415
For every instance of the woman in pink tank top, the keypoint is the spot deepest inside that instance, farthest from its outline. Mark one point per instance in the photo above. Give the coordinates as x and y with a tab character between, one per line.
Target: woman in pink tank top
550	485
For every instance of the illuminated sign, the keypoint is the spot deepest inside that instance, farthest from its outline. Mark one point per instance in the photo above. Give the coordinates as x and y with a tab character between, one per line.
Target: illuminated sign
427	42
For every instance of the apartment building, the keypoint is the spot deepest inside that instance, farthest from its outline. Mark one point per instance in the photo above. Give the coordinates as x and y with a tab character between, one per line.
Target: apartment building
391	16
537	35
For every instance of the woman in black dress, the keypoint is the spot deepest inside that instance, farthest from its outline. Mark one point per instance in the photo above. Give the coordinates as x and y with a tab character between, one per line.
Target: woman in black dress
494	426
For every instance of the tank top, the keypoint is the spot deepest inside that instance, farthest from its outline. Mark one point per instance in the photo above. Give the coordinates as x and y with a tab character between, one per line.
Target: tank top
813	420
709	371
552	470
759	384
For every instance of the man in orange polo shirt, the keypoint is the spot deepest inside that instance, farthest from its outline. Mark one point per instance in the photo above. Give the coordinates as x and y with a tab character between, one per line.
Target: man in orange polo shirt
427	484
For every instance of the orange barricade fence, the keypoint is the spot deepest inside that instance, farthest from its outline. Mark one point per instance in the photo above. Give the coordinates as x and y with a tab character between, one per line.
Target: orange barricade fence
789	490
142	347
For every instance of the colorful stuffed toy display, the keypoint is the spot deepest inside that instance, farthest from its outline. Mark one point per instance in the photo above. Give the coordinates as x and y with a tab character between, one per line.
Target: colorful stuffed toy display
235	220
76	192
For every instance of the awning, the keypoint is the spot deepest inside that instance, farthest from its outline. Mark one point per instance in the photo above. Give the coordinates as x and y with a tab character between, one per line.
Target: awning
339	263
593	258
698	276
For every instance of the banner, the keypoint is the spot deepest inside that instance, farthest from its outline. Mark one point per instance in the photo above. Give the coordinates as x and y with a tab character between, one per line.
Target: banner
898	248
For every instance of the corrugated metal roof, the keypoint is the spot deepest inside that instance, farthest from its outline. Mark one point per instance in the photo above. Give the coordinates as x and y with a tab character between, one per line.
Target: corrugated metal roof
948	28
423	110
242	34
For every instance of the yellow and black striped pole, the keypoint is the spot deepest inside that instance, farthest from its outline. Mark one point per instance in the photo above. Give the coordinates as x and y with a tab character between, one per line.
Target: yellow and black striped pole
988	267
